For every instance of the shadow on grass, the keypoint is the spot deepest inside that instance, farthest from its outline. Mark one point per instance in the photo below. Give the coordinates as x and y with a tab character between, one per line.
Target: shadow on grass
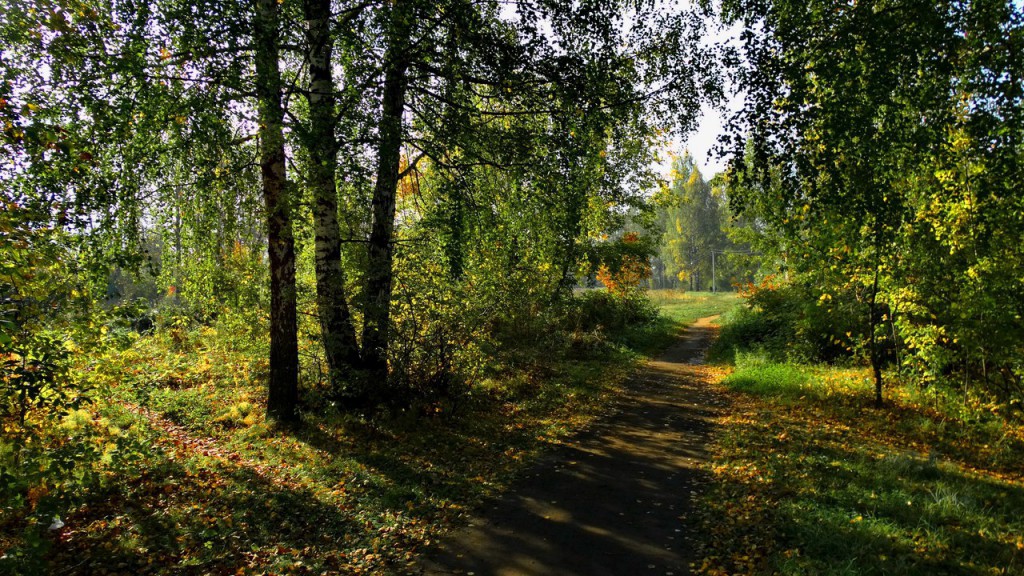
179	518
361	497
840	502
365	501
416	464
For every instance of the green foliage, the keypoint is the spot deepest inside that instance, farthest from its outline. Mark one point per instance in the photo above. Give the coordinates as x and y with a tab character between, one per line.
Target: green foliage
510	149
693	217
47	453
439	334
857	196
240	414
603	311
196	476
809	481
35	378
792	321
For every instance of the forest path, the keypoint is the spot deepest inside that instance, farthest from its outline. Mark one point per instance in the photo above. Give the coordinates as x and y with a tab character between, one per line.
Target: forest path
615	500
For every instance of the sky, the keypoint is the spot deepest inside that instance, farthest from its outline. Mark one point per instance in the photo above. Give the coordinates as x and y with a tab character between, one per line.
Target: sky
701	142
711	124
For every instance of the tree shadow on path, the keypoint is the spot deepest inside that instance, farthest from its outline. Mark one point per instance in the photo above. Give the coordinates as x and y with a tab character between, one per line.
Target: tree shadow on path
615	500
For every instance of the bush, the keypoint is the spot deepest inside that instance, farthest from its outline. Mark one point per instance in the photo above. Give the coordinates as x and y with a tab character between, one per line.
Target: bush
46	441
600	310
746	329
794	321
237	415
436	335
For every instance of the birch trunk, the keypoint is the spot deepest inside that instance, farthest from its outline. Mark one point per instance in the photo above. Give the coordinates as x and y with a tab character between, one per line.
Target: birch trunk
377	312
337	331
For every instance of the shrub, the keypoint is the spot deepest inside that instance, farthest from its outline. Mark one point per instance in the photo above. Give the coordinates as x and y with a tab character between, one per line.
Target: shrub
602	310
624	263
436	337
794	321
236	415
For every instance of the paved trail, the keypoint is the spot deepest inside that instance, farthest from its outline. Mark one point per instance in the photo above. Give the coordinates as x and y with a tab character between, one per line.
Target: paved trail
615	500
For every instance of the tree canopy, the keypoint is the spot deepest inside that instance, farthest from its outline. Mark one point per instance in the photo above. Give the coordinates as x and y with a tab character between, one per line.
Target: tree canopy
881	142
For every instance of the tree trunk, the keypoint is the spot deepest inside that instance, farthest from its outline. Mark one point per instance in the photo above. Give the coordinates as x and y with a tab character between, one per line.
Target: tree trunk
339	336
377	310
454	242
567	276
874	352
283	394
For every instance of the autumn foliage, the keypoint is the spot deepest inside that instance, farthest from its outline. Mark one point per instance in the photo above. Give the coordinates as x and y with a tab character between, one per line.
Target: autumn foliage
631	272
751	289
626	265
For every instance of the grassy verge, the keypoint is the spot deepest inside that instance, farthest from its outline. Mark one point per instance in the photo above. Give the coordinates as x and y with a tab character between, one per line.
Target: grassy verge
197	482
810	479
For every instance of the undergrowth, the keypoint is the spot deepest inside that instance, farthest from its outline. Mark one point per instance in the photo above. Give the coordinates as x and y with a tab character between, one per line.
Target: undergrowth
195	480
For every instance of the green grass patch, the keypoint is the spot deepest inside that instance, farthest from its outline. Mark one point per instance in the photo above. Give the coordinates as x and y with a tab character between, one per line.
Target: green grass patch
810	478
684	307
678	309
755	374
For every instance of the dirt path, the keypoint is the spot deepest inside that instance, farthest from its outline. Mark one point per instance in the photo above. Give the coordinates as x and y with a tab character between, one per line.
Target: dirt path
616	500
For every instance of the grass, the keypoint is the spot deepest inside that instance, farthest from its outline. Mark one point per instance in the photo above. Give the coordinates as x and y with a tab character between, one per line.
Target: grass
810	479
679	309
755	374
223	491
200	483
685	307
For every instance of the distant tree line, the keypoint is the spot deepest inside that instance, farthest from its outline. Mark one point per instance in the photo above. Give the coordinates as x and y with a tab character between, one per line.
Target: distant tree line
702	247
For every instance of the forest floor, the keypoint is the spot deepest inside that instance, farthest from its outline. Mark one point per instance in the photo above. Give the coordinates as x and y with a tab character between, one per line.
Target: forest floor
570	461
193	479
616	498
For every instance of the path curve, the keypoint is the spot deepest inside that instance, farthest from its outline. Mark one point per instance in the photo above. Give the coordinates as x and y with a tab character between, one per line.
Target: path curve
614	501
